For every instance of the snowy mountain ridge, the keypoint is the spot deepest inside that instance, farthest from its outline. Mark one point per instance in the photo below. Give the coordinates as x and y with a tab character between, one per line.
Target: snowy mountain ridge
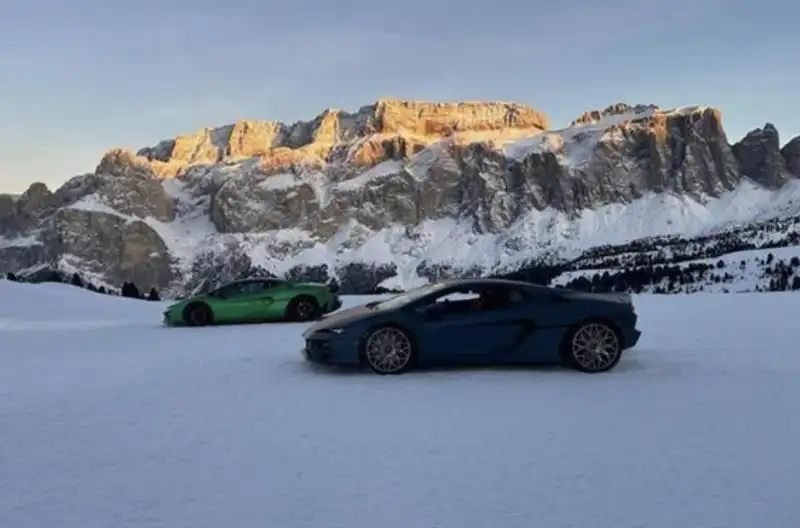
400	193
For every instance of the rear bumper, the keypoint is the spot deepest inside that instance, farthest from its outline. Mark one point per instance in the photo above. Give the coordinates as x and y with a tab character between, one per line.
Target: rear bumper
334	304
632	337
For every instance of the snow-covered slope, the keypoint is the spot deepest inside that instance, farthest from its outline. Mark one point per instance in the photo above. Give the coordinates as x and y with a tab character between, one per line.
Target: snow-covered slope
109	419
774	269
548	234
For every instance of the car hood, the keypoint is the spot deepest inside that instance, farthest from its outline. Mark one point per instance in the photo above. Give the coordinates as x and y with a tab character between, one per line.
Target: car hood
341	318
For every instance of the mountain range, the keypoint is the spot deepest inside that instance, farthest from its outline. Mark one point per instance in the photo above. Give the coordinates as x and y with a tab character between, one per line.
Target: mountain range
401	192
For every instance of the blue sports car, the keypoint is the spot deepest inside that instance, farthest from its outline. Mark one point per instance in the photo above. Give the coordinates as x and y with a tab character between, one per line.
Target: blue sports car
478	321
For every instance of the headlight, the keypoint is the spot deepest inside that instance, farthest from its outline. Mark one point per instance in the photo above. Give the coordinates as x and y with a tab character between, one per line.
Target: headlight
322	332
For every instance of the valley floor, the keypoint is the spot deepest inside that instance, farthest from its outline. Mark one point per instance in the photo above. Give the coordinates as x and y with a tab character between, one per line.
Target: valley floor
109	419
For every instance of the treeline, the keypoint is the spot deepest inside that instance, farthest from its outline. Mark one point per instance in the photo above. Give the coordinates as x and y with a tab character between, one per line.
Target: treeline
779	275
673	249
127	289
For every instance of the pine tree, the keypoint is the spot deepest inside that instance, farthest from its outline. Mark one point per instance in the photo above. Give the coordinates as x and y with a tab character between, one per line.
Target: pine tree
130	290
153	295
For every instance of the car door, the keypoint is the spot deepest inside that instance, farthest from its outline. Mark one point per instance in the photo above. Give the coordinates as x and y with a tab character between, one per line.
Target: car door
542	323
455	327
263	301
228	304
249	305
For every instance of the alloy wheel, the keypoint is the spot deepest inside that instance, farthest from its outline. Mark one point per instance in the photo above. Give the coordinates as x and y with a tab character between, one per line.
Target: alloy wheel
595	347
388	350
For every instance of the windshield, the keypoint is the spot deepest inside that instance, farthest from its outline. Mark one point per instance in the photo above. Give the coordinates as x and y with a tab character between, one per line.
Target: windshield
404	298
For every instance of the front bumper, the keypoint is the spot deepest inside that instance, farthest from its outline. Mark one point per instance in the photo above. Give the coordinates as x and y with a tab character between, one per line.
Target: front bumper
169	318
330	349
316	352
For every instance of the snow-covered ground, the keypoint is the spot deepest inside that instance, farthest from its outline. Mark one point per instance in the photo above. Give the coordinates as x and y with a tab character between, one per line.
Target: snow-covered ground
108	419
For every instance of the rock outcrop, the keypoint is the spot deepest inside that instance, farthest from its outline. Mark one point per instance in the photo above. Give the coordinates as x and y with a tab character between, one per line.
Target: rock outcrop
393	128
791	154
760	158
364	196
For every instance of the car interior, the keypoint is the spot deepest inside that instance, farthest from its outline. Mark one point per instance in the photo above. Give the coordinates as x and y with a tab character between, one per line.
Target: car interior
475	299
243	288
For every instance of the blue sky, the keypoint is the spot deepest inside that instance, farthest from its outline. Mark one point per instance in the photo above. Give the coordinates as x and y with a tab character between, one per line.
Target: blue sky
83	76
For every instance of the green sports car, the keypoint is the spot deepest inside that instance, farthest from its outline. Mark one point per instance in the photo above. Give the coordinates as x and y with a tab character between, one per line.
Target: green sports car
255	301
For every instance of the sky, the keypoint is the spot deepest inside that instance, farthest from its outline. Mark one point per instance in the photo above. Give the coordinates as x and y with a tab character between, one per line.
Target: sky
81	76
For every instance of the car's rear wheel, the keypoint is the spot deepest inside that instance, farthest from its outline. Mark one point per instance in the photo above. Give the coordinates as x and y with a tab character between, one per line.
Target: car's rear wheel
389	350
303	308
593	347
197	314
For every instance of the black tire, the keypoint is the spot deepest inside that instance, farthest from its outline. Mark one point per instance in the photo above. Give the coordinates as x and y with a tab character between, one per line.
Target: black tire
593	346
198	314
303	308
396	356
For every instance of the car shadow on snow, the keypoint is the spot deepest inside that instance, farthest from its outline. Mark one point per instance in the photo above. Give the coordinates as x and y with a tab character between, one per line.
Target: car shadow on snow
631	362
625	366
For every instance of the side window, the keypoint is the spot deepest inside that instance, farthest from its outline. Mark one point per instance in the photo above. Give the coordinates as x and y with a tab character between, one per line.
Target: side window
458	295
497	297
255	287
478	298
230	290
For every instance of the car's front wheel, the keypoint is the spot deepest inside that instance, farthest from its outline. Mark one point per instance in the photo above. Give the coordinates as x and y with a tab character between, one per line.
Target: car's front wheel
592	347
388	350
197	314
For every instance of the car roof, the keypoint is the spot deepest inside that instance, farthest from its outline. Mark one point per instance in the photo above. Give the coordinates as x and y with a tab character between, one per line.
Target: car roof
254	279
529	286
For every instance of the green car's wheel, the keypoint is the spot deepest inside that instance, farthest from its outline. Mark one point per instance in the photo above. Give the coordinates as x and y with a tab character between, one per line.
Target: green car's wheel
303	308
197	314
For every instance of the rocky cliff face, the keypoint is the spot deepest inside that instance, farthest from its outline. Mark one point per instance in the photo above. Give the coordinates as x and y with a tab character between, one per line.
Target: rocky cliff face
397	189
387	129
